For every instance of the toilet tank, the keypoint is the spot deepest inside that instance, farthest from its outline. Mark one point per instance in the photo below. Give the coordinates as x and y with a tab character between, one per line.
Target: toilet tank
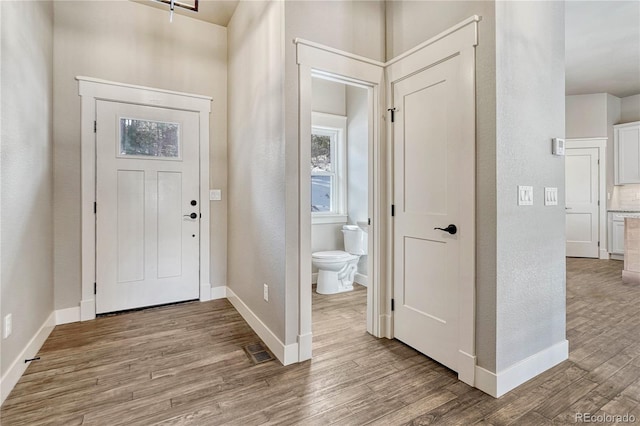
355	241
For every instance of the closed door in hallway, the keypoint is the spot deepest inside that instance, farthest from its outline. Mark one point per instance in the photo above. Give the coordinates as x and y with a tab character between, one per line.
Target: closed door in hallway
582	201
147	216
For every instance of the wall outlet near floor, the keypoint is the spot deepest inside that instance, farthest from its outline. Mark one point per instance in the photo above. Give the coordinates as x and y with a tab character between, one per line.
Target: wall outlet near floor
265	292
8	326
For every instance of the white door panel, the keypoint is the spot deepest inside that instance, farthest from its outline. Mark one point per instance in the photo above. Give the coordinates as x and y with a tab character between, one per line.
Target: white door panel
426	139
147	245
582	218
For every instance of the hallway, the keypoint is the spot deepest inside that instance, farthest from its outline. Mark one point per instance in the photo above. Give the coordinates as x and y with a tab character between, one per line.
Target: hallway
184	364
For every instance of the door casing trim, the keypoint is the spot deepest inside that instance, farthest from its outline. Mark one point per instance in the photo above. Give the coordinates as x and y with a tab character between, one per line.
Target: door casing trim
92	90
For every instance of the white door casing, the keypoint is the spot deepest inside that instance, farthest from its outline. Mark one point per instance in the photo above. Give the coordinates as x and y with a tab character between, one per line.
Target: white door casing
432	90
147	241
91	90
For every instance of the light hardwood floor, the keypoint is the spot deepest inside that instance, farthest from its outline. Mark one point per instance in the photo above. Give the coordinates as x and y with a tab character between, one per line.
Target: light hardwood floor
184	364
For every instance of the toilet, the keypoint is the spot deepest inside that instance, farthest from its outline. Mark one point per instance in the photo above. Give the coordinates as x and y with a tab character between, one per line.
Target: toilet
337	269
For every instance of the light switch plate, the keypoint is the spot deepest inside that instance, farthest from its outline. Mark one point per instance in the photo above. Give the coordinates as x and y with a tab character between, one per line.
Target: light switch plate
551	196
215	194
525	195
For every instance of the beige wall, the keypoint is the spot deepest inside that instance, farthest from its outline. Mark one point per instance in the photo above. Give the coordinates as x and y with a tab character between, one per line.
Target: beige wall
256	160
130	43
27	171
630	109
586	115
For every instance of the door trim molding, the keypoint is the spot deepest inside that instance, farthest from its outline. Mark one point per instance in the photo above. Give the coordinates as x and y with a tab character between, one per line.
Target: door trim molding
91	90
320	61
601	144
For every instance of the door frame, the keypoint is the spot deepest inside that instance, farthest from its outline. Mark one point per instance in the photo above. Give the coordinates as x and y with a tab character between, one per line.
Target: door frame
315	60
461	41
91	90
320	59
601	144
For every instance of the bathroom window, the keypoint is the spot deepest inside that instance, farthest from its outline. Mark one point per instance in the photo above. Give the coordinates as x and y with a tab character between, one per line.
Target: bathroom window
328	168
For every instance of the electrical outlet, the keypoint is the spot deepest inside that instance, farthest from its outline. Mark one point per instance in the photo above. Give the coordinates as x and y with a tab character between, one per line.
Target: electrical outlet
8	326
266	292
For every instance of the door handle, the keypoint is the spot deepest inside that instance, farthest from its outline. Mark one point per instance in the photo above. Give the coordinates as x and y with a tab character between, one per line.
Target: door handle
192	215
452	229
568	208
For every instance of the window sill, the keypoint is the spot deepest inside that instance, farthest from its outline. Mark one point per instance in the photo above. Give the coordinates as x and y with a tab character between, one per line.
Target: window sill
329	218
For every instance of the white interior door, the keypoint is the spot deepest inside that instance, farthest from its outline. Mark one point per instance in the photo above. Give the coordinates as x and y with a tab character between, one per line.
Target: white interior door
582	218
148	206
427	159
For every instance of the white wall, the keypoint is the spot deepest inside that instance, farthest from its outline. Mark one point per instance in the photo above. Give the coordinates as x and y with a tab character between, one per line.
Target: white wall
357	154
630	109
358	160
130	43
410	23
257	160
531	301
27	171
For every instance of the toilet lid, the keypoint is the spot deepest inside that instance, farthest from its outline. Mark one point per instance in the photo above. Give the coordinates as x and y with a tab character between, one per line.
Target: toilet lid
334	254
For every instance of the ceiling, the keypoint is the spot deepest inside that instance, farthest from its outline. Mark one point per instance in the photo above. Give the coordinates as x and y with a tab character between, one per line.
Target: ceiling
602	42
602	47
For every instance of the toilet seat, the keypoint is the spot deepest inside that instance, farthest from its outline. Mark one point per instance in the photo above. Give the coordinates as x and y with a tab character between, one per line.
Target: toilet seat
332	255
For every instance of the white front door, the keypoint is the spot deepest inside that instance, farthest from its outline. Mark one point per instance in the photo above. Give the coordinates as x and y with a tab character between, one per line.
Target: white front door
428	156
148	206
582	218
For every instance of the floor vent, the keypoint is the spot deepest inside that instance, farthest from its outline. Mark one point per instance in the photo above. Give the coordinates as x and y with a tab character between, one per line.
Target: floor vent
258	353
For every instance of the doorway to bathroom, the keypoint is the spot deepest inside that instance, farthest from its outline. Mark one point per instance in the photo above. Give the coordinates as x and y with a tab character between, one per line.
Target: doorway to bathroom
339	201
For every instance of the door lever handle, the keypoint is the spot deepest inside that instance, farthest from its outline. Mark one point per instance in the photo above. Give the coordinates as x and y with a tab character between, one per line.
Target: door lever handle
452	229
192	215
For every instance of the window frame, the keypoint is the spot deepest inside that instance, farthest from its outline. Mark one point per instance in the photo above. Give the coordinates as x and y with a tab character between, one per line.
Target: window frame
334	126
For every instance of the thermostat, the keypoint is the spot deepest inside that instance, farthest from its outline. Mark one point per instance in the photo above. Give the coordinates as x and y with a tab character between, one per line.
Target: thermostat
557	147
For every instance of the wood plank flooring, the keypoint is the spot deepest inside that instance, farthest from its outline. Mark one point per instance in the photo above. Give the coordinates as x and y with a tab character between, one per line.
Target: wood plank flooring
184	365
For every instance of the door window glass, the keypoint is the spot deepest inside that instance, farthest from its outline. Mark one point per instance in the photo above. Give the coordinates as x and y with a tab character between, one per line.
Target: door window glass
148	138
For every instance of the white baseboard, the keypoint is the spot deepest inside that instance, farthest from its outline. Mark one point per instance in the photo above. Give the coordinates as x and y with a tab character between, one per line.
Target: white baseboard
604	254
361	279
87	309
68	315
205	292
466	368
219	292
286	354
498	384
314	278
18	366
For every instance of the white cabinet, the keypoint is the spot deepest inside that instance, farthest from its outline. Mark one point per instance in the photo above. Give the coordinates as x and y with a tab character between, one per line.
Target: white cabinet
617	237
627	153
615	224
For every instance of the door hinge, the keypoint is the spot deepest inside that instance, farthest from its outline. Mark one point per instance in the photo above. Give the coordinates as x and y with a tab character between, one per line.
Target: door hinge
95	288
95	126
393	209
598	243
393	114
369	221
95	207
393	305
598	202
